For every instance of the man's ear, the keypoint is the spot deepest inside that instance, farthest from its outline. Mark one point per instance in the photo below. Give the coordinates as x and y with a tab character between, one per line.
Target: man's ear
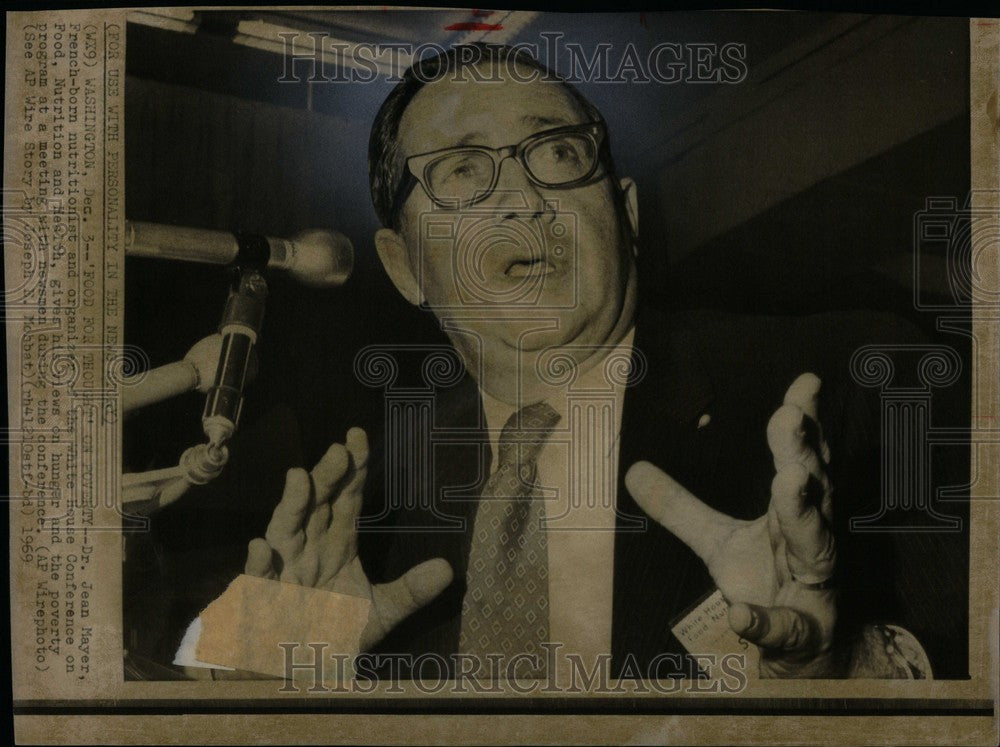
630	196
396	260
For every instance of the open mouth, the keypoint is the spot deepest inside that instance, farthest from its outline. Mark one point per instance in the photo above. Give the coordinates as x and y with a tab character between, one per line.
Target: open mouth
526	267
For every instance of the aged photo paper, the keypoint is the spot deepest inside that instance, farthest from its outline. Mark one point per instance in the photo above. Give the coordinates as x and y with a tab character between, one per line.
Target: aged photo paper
470	376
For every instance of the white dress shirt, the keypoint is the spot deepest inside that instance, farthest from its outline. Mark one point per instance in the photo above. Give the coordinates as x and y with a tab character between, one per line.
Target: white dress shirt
578	478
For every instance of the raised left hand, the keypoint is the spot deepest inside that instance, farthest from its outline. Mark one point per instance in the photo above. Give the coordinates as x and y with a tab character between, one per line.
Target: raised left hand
773	570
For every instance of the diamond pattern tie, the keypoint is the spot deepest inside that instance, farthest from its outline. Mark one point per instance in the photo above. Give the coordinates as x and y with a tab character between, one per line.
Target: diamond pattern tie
505	609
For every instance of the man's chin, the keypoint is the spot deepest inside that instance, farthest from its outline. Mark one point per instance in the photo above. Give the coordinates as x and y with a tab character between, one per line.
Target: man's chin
550	327
527	328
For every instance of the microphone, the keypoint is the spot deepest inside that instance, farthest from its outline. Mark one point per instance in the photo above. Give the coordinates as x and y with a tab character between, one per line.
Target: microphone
241	322
318	258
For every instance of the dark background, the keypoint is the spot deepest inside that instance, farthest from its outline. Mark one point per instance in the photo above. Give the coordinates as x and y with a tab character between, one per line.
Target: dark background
793	192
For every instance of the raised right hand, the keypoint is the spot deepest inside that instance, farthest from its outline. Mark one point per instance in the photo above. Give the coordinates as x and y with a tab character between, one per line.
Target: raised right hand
312	540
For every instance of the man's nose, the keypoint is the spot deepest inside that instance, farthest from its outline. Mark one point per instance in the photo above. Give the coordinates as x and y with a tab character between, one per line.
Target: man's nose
515	195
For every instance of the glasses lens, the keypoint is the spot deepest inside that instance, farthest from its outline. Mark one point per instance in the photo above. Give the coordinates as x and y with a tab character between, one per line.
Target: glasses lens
561	159
460	177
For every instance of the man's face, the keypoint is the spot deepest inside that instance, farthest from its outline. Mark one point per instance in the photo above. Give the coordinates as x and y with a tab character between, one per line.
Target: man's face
527	257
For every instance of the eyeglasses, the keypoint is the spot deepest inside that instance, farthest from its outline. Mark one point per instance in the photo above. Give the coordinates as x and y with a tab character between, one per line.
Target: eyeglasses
458	177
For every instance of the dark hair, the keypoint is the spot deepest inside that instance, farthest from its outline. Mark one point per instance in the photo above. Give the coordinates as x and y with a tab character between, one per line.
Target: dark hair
385	164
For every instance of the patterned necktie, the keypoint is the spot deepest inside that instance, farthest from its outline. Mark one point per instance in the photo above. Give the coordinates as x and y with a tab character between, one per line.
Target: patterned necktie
505	609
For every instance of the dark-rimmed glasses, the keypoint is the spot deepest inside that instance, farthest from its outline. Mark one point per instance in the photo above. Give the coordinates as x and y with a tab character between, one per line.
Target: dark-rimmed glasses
461	176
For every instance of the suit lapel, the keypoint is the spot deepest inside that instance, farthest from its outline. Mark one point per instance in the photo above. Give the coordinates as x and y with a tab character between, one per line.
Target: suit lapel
440	525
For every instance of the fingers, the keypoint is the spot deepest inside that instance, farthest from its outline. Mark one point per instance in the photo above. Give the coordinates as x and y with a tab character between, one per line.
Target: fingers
306	518
794	436
701	528
789	442
347	505
259	559
357	445
329	470
357	448
778	628
284	532
804	394
810	548
411	591
342	461
339	475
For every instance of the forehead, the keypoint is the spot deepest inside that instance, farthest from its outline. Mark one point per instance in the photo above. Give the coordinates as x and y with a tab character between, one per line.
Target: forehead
463	109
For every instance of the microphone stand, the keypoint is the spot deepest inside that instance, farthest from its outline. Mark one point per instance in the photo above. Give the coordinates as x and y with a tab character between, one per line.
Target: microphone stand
240	327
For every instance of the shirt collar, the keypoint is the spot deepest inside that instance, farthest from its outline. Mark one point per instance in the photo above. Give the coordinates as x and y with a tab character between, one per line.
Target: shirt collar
594	379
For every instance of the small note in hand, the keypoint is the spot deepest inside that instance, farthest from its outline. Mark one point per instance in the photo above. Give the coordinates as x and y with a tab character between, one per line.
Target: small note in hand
704	629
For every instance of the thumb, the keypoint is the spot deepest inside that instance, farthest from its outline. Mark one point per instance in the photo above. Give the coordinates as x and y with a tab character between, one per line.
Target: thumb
397	600
698	526
780	628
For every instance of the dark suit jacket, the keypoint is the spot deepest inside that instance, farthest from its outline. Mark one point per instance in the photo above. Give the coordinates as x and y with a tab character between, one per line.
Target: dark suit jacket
736	369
